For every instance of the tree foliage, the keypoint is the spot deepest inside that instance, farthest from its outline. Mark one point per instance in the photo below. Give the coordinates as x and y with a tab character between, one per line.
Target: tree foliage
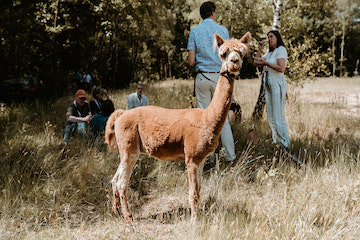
122	41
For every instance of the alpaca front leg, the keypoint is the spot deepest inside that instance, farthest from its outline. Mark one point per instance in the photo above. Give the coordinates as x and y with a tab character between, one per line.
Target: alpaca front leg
194	190
116	196
120	185
200	172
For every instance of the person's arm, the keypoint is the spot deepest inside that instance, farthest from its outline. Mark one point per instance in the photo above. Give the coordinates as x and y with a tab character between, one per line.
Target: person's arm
280	66
191	47
79	119
146	101
71	118
191	57
105	94
129	106
258	62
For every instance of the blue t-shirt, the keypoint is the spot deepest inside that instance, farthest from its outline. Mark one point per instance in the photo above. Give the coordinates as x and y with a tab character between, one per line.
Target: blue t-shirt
201	39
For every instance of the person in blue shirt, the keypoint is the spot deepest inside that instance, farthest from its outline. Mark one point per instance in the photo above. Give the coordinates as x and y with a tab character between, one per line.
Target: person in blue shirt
76	84
203	54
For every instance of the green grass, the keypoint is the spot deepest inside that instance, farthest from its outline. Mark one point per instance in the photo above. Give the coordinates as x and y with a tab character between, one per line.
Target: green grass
52	191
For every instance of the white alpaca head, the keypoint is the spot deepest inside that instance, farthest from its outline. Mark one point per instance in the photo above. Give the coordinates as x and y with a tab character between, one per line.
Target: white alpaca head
232	52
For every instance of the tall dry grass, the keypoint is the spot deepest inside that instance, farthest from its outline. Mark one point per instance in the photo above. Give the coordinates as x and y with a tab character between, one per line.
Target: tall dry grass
53	191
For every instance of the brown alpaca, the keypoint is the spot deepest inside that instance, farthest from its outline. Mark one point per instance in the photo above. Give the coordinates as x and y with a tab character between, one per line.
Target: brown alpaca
174	134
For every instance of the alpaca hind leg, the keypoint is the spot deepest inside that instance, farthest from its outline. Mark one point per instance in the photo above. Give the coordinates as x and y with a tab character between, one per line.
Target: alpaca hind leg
120	184
116	194
194	190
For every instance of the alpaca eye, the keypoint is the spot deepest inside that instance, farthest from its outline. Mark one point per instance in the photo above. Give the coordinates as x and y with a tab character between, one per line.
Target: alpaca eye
224	55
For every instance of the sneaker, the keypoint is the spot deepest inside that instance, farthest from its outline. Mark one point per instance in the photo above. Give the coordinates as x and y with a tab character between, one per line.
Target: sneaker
281	146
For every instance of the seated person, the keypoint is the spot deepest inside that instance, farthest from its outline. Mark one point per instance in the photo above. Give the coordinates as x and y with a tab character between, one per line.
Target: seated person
95	104
137	99
78	113
98	122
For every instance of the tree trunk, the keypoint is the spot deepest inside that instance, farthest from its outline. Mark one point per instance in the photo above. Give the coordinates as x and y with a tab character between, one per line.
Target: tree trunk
342	51
169	63
56	12
356	73
260	104
277	14
334	55
161	69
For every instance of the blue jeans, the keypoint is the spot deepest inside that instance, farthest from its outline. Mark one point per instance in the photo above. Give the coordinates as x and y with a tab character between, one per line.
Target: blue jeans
68	131
275	95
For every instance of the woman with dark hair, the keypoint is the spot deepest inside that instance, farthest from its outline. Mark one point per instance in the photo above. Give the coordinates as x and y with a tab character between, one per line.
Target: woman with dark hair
98	122
275	85
96	103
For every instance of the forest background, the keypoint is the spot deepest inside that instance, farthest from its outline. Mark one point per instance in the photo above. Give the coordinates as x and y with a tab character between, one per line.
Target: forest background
124	41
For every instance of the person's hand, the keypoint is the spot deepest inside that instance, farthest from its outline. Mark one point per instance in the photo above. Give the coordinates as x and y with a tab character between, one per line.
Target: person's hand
260	61
104	92
88	118
261	44
263	61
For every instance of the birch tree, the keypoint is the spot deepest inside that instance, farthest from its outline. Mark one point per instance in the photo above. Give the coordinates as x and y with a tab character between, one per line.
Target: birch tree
259	107
277	14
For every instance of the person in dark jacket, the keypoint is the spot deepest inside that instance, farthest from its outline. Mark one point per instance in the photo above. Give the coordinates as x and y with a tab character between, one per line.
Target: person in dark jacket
99	95
98	122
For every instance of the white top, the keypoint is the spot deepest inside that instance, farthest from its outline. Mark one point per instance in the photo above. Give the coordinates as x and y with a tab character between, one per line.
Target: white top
134	101
272	57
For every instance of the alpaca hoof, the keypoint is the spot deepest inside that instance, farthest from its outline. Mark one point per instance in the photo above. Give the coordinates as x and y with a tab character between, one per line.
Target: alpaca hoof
128	219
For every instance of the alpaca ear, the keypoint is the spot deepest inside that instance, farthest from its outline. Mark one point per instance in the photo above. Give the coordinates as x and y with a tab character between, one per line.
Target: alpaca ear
246	38
219	40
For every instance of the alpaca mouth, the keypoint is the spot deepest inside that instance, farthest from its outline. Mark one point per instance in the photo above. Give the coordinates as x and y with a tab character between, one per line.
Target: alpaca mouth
236	69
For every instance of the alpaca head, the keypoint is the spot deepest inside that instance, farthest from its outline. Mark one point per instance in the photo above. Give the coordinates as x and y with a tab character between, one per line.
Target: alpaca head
232	52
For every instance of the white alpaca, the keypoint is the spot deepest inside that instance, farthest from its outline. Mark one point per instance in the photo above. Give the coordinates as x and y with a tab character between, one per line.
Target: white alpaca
174	134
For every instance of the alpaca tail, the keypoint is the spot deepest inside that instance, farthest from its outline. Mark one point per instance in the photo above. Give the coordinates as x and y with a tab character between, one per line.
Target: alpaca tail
110	139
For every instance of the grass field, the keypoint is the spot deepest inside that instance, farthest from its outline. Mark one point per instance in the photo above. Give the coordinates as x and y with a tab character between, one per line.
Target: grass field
52	191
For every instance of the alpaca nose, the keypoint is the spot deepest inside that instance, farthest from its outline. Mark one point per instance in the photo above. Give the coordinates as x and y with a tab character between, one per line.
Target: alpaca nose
234	57
236	61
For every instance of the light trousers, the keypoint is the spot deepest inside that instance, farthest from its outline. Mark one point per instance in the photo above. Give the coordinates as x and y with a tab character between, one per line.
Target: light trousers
275	96
204	91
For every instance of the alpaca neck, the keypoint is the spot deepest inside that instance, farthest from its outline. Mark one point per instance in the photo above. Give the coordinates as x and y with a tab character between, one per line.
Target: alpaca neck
217	111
